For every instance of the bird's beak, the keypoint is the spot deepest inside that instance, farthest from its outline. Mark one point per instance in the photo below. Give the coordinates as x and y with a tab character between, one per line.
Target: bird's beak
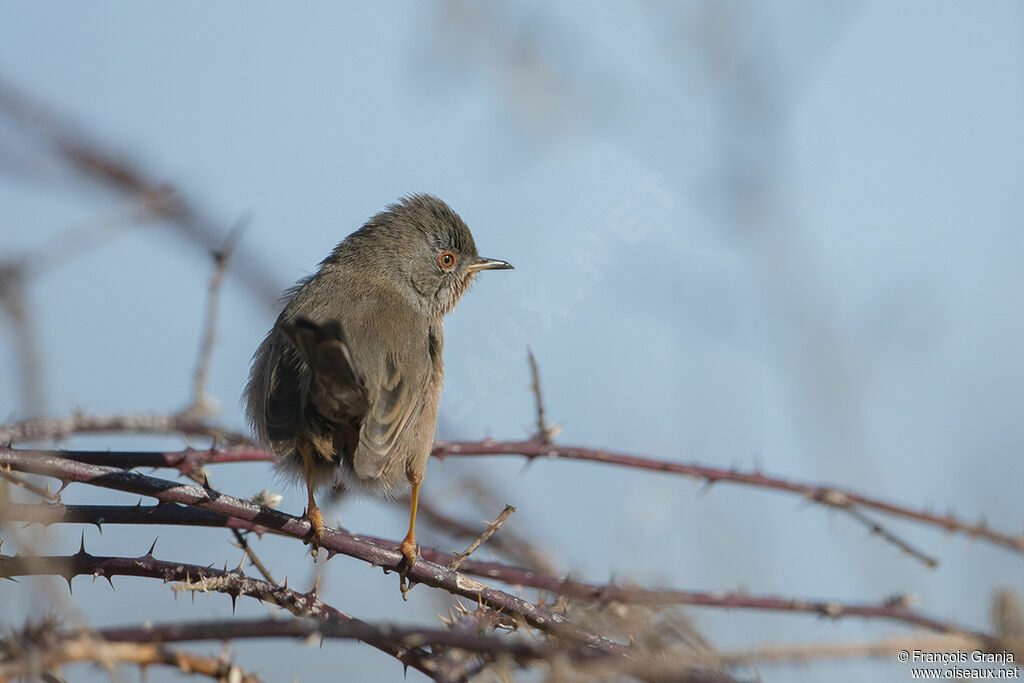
488	264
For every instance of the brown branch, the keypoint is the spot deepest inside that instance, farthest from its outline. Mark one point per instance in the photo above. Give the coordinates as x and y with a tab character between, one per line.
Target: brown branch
86	648
611	593
198	578
389	559
894	610
443	665
408	637
831	496
98	515
201	477
491	528
56	429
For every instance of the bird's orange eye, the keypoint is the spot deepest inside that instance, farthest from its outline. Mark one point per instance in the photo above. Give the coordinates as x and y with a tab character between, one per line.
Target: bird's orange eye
446	260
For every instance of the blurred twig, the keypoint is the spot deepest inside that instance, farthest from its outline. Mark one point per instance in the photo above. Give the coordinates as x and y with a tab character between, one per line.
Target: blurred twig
509	544
201	403
106	168
56	429
545	434
21	482
886	648
21	325
491	528
876	528
406	636
86	648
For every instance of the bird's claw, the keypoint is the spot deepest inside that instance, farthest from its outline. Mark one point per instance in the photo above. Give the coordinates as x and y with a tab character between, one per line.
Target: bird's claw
316	529
410	552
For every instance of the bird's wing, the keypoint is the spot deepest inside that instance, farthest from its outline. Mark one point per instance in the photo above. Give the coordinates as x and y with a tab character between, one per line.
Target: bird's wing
337	392
376	378
397	372
396	400
286	383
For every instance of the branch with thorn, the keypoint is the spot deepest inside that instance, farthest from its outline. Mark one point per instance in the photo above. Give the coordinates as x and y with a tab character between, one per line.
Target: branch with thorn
824	494
897	609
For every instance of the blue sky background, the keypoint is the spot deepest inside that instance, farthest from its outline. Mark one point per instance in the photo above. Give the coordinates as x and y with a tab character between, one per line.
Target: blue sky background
784	235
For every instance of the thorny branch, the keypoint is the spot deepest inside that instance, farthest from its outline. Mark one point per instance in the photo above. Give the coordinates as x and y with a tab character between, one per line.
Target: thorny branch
151	200
823	494
196	578
57	429
831	496
896	609
389	559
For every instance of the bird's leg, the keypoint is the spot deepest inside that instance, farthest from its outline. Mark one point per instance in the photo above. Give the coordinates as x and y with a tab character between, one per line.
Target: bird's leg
316	520
408	546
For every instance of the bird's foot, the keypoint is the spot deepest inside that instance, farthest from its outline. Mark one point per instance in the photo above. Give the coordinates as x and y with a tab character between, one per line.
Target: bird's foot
411	552
316	529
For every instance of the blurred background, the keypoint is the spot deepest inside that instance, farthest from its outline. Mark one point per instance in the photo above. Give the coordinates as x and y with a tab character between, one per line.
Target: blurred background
783	235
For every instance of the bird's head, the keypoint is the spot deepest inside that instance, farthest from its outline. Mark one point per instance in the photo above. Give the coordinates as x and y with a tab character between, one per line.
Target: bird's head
429	248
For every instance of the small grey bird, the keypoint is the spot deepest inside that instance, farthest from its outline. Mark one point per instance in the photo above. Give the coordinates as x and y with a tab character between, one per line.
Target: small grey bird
348	381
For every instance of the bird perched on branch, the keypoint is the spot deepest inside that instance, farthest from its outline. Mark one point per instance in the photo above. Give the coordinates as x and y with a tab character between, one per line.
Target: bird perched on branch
348	381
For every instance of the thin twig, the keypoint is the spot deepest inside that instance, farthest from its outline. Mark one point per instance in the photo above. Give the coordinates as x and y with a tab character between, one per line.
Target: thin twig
544	433
56	429
21	482
111	170
509	544
254	559
76	240
200	401
491	528
876	528
21	325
